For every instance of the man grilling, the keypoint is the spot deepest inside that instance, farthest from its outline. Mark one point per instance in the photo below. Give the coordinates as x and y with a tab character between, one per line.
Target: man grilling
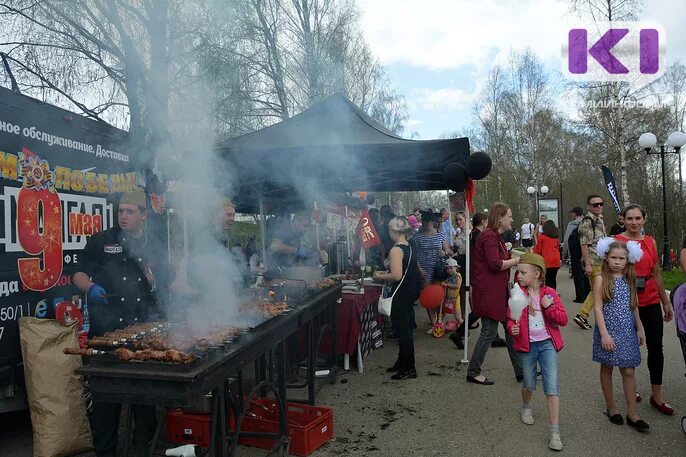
122	273
286	248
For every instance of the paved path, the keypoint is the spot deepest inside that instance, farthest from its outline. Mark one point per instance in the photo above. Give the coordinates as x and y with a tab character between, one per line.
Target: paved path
439	414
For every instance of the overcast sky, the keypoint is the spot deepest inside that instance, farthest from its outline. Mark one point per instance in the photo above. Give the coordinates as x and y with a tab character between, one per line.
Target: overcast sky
438	52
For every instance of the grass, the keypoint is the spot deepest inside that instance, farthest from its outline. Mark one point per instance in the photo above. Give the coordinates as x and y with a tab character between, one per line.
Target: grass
242	231
673	278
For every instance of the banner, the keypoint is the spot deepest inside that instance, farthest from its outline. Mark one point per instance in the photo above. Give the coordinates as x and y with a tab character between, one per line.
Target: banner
366	232
611	187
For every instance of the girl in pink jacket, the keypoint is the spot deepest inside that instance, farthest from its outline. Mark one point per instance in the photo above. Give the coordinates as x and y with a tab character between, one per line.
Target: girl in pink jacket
536	330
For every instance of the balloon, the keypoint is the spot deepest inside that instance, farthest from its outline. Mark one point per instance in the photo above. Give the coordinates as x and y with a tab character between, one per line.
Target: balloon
371	199
479	165
455	176
362	195
431	297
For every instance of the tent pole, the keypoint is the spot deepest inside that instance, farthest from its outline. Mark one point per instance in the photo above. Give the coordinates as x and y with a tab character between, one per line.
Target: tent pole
450	220
263	231
347	232
467	308
316	228
184	213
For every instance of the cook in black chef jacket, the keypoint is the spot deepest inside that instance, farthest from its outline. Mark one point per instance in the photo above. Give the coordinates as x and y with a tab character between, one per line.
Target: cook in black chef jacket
287	249
123	273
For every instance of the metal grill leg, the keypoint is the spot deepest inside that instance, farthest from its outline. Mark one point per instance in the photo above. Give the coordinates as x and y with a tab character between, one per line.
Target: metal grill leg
127	428
158	429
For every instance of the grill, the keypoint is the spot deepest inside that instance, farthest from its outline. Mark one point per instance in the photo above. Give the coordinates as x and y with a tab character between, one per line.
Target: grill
170	385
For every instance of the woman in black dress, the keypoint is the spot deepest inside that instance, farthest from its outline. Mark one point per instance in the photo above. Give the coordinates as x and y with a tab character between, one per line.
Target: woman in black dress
402	274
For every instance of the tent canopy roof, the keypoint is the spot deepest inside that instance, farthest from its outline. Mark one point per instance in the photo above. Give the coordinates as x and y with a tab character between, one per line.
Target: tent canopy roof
334	146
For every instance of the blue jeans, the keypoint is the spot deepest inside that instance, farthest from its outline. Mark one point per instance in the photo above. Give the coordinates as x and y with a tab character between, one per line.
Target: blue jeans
543	353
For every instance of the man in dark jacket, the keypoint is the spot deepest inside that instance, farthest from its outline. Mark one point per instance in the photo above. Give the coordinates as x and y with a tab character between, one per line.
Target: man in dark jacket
122	274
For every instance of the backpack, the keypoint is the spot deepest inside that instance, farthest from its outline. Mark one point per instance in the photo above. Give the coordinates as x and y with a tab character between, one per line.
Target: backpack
574	243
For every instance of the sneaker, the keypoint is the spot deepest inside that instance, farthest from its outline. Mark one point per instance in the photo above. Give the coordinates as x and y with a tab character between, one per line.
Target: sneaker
430	331
555	442
392	337
528	416
582	322
457	340
409	374
498	342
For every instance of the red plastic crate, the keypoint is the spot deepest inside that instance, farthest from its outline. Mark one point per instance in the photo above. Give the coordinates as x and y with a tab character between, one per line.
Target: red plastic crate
186	428
308	426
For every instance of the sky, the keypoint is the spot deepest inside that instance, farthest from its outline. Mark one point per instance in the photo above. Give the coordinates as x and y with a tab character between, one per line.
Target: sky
438	53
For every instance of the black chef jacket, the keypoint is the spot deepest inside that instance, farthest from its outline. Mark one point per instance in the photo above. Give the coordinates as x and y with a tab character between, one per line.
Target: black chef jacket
288	237
117	261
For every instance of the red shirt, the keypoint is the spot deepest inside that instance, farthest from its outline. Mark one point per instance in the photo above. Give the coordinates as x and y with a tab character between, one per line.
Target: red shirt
549	248
644	268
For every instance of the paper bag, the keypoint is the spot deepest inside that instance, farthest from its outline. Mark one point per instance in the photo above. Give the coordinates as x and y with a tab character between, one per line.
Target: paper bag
55	393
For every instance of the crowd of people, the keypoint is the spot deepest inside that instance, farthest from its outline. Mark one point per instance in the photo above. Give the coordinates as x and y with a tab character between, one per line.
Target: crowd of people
617	278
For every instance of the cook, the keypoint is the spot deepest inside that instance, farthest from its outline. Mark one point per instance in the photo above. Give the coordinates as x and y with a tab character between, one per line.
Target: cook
122	274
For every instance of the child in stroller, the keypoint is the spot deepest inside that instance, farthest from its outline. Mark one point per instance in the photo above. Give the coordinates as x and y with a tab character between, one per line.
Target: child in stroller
678	297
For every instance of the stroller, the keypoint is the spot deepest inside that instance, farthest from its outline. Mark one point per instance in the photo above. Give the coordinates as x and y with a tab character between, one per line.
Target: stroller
678	298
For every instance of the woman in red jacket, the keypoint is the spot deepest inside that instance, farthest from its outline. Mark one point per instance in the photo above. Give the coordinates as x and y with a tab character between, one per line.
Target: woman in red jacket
548	246
491	264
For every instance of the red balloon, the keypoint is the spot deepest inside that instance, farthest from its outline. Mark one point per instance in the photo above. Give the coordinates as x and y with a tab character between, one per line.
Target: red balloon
431	297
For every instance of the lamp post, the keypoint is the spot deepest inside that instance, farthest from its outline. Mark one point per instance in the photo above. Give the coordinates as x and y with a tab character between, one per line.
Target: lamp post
531	190
648	141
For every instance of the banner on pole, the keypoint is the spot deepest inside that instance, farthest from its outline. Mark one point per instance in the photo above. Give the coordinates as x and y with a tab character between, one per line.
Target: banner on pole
366	232
611	187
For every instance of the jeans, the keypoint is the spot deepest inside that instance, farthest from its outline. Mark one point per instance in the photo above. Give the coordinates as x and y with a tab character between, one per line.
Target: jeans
653	325
585	310
543	353
489	330
581	285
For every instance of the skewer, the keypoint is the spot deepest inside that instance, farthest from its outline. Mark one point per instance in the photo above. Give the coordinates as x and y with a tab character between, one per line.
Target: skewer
82	352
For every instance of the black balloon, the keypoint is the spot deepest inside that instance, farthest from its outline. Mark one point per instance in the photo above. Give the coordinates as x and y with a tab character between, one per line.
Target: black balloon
370	199
455	176
479	165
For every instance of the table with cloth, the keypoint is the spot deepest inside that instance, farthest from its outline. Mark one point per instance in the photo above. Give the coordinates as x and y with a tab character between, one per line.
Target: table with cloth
359	326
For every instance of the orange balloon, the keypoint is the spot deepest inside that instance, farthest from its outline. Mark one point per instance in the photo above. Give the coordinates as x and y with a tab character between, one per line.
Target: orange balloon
362	195
431	297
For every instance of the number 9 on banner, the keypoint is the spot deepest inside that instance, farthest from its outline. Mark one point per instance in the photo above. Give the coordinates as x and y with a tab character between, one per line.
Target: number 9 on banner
42	240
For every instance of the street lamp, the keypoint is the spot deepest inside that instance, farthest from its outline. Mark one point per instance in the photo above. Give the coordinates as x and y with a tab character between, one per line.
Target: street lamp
676	140
531	190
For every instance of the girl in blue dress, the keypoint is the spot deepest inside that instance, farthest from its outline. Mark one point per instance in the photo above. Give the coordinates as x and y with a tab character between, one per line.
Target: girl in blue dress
618	331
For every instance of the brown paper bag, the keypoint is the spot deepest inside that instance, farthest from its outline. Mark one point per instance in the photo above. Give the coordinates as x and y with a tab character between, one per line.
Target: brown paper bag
55	393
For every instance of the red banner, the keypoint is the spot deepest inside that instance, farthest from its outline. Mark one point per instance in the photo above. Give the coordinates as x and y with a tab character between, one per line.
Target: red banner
366	232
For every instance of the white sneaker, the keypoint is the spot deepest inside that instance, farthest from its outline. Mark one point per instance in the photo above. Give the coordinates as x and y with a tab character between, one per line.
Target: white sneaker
430	331
555	442
528	416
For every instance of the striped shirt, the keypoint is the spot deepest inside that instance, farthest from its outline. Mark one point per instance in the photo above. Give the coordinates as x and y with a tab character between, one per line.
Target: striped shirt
428	245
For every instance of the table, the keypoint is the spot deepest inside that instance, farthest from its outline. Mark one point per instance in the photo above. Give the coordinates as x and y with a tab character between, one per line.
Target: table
359	325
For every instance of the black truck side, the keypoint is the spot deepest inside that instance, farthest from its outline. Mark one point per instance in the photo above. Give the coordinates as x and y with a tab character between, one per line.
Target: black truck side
60	174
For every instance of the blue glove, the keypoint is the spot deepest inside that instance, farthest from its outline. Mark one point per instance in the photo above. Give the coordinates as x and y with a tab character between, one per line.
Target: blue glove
96	294
302	252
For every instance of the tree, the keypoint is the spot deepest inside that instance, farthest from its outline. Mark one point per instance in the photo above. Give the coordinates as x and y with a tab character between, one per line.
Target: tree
115	52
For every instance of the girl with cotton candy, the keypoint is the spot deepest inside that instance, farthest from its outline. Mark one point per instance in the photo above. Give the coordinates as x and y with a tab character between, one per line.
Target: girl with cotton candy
536	313
618	331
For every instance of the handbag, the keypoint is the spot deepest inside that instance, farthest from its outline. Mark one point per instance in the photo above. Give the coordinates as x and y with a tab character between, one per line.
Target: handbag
385	304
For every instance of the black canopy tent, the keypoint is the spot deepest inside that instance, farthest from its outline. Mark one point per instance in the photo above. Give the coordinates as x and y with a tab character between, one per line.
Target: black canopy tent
334	146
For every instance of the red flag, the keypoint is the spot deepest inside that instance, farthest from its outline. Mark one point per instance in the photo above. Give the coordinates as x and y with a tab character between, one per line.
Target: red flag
366	232
469	194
